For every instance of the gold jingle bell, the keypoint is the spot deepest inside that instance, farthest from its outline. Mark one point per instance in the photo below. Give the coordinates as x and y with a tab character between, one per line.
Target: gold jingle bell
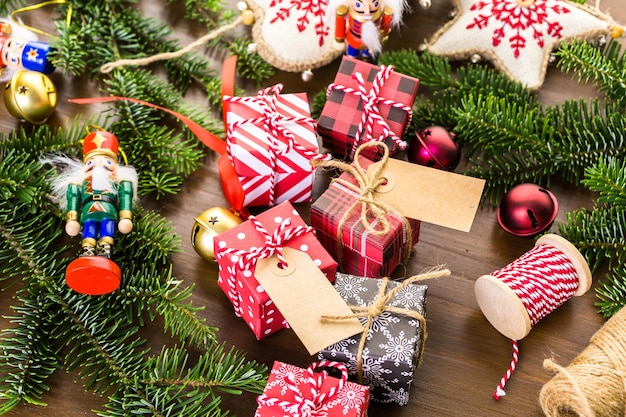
209	224
30	95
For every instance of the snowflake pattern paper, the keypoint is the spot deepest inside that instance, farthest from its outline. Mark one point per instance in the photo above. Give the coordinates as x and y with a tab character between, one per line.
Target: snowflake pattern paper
391	350
293	35
517	36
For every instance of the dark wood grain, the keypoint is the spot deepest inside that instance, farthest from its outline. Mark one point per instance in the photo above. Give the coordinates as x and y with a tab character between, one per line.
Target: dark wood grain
465	356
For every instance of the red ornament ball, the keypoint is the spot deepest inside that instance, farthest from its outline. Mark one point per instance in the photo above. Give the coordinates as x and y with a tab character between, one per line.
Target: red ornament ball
527	210
435	147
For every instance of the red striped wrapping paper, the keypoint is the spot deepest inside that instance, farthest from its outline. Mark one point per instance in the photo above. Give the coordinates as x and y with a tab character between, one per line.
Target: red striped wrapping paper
261	160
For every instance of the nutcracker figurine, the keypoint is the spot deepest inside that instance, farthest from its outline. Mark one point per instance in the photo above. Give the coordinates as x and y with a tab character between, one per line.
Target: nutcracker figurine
99	197
361	26
20	52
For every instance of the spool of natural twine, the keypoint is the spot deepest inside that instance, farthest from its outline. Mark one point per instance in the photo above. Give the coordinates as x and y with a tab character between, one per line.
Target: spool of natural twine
594	384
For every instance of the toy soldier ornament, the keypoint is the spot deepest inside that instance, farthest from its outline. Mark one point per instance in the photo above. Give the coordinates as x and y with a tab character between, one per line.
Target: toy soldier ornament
99	195
20	49
362	26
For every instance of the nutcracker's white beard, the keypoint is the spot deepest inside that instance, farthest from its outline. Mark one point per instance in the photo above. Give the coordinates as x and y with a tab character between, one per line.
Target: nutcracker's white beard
102	179
371	37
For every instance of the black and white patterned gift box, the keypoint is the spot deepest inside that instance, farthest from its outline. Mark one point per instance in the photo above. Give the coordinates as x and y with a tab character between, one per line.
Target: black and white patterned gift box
394	341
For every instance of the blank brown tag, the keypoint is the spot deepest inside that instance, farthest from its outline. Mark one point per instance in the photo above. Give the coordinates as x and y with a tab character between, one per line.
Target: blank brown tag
430	195
303	295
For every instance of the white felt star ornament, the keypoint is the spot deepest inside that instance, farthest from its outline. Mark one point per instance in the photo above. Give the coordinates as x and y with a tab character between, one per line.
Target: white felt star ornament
293	35
517	36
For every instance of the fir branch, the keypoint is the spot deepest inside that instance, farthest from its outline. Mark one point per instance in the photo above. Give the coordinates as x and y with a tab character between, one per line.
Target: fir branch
599	234
153	239
8	6
105	349
437	75
27	355
612	292
161	155
170	385
609	180
151	290
218	369
604	66
250	65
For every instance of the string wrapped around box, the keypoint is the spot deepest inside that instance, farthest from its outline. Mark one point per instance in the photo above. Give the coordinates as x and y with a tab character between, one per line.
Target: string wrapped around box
594	382
516	297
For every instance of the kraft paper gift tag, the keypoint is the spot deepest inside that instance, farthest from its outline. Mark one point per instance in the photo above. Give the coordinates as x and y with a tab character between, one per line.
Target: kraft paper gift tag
303	295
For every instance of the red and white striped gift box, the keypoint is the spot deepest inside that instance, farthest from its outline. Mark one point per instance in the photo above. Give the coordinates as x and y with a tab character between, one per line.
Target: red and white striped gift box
270	140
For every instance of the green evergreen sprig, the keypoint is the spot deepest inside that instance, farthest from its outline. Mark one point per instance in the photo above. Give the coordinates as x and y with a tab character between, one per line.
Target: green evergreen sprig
600	233
56	328
605	67
508	136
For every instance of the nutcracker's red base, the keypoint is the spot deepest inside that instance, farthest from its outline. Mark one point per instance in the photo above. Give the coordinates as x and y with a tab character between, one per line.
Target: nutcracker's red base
93	275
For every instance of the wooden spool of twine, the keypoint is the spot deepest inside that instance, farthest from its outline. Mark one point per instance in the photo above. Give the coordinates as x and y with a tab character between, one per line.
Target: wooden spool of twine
516	297
594	384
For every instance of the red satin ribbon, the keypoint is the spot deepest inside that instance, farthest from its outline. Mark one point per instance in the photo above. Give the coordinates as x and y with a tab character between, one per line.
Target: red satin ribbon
231	186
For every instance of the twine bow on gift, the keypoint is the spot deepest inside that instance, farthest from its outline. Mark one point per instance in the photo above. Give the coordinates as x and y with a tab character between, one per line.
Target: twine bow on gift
371	117
311	402
272	121
373	211
381	304
273	245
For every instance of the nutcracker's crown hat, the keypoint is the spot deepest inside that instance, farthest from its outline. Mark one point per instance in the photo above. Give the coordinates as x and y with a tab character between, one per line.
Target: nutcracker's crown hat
100	142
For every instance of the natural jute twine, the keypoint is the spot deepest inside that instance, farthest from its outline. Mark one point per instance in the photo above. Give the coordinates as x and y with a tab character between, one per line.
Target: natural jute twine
594	384
110	66
371	207
381	304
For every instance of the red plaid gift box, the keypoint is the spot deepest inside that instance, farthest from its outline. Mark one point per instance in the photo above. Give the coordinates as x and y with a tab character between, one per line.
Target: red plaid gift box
270	140
259	237
366	102
296	392
361	252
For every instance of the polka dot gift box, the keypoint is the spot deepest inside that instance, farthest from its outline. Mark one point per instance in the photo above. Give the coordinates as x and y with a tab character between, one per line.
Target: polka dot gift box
238	250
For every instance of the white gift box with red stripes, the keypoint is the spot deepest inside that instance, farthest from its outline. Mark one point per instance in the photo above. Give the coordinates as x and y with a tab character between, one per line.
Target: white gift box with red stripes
270	140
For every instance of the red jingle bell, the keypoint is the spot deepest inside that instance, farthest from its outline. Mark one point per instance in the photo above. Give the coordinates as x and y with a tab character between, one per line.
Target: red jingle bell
527	210
435	147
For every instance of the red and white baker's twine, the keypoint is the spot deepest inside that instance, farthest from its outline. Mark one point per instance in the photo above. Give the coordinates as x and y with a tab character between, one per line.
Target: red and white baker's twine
543	279
371	116
273	245
309	403
271	120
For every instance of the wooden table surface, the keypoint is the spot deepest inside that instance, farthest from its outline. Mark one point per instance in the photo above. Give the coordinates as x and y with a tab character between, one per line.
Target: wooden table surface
464	358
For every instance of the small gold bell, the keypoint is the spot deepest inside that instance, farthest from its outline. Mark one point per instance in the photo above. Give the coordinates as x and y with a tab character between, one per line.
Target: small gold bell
30	95
209	224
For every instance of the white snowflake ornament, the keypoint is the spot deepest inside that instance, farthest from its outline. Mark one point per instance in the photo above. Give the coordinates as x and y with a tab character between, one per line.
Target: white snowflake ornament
517	36
293	35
